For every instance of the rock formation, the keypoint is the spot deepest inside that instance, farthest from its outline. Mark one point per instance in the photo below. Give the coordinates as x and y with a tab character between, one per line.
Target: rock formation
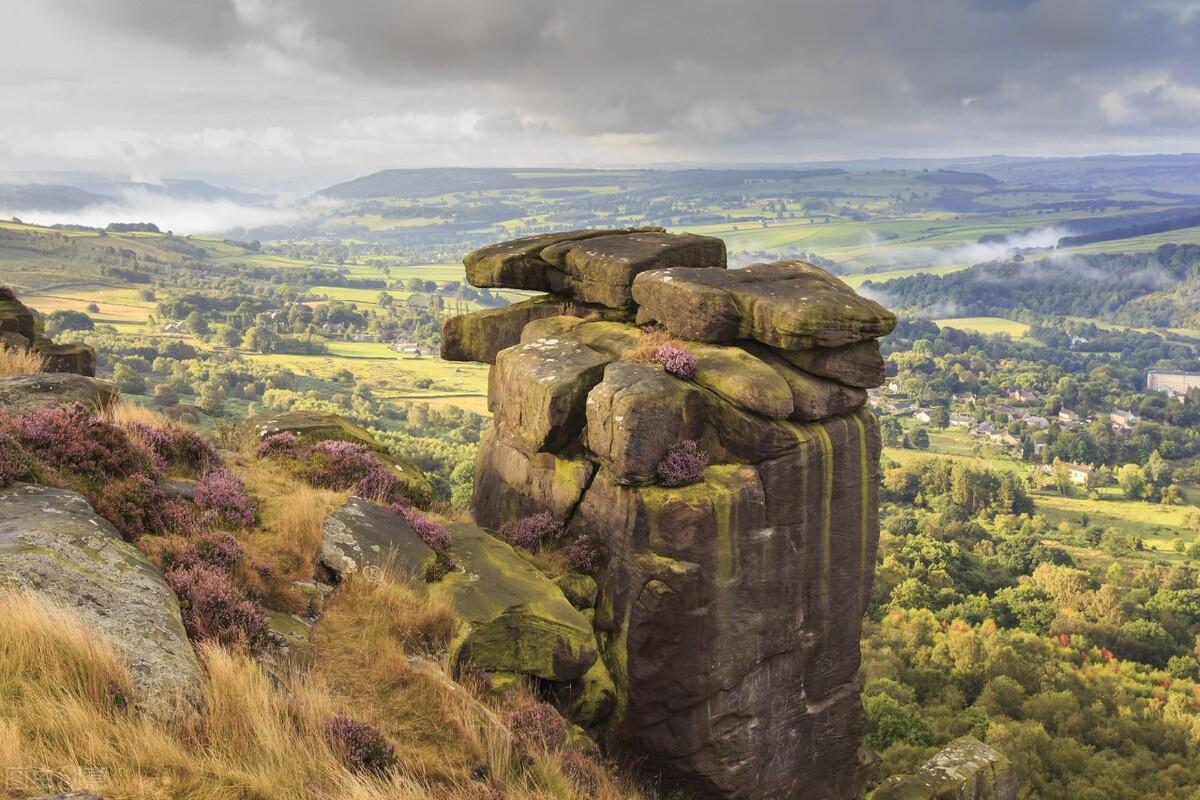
20	329
727	610
966	769
53	545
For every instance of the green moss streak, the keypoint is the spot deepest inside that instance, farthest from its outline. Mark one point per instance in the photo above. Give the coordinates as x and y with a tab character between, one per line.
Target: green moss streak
865	505
826	517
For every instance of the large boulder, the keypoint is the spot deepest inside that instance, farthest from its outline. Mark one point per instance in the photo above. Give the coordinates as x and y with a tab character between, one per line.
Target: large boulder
517	619
75	357
15	317
317	426
480	335
518	264
27	393
511	484
860	364
787	304
53	545
743	379
601	269
538	389
813	398
634	416
362	538
966	769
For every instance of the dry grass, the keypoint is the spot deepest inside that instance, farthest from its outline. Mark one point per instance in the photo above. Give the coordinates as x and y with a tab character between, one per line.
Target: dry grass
649	343
288	536
14	362
124	414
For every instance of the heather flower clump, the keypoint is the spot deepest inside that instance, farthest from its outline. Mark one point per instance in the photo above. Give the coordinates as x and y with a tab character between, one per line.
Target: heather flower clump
538	726
337	465
532	532
679	363
433	534
75	440
215	609
223	499
361	747
214	549
584	554
15	465
137	507
684	463
279	445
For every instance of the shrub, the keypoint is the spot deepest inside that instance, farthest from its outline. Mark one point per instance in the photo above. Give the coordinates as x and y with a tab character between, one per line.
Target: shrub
361	747
136	507
191	451
684	463
279	445
538	726
380	485
74	439
214	549
214	609
433	534
532	532
584	554
15	465
338	465
222	497
679	363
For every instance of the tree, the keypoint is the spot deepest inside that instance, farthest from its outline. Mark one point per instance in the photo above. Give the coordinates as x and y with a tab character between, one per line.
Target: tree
920	439
940	417
127	379
212	398
1132	480
60	321
1062	476
197	323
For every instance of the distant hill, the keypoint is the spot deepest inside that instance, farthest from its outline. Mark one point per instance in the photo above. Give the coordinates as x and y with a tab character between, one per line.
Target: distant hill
46	197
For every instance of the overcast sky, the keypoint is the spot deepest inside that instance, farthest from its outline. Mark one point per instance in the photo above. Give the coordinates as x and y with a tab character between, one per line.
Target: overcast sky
329	89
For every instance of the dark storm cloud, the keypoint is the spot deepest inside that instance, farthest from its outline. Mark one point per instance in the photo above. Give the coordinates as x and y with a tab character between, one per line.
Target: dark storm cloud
722	70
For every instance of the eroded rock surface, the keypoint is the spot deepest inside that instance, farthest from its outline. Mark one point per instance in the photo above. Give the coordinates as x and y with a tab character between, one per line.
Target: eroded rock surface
26	393
726	611
53	545
966	769
363	538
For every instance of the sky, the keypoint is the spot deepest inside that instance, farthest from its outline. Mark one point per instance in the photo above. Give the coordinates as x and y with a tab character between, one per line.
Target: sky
270	93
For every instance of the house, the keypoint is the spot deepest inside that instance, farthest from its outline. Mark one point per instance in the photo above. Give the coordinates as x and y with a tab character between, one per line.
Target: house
1023	396
966	398
899	407
1080	474
1068	417
1005	439
1033	421
1124	420
1039	448
175	327
984	429
960	421
1172	382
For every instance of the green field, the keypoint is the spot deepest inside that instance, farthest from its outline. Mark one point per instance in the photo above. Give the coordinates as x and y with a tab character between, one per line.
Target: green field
1157	525
986	325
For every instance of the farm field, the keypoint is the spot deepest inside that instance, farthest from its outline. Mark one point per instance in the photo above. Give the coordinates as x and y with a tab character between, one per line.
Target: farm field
986	325
1157	525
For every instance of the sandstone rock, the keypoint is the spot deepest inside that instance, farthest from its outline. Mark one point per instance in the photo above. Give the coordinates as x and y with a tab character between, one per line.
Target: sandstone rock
591	698
613	339
787	304
15	317
316	426
742	379
517	619
53	545
601	269
966	769
361	537
76	357
812	397
579	589
538	389
311	426
14	341
518	264
859	364
480	335
634	416
27	393
510	484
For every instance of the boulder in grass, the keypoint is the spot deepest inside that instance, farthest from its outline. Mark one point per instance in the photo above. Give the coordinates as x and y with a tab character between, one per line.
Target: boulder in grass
965	769
361	538
791	305
75	357
26	393
55	547
517	619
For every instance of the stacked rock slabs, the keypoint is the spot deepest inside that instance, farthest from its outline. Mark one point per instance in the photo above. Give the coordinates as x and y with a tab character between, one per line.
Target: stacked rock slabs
729	610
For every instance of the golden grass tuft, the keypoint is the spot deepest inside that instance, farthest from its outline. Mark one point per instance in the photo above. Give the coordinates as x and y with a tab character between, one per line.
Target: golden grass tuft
124	414
649	343
15	362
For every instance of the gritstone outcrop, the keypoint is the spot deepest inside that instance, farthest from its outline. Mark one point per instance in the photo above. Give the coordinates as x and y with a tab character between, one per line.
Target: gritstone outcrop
728	610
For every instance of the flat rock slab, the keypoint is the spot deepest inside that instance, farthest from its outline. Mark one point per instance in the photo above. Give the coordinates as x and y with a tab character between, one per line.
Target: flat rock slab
518	263
27	393
480	335
53	545
787	304
601	269
965	769
361	538
859	365
538	389
517	619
